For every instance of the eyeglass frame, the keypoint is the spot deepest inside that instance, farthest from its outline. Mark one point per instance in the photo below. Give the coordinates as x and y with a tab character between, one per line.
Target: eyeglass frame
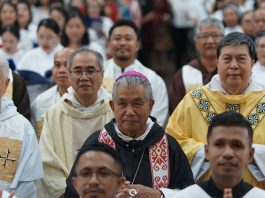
77	73
100	174
213	36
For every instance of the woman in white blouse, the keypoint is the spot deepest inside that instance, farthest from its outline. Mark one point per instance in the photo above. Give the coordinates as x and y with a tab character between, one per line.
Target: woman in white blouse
40	59
10	39
75	34
27	28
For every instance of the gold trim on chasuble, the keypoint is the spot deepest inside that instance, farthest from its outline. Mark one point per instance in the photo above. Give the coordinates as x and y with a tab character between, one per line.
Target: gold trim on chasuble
207	110
204	105
257	113
9	157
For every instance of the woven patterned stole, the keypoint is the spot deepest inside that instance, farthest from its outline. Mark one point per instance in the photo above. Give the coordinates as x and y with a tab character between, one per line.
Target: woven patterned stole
159	161
158	156
105	138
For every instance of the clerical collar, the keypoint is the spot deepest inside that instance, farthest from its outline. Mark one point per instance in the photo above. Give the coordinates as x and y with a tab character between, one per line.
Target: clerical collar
215	85
101	95
238	191
126	138
125	68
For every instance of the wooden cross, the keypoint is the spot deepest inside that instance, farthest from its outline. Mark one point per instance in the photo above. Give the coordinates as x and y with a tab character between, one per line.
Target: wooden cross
6	158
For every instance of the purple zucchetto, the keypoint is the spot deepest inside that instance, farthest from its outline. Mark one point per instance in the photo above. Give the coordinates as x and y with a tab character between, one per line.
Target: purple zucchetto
132	73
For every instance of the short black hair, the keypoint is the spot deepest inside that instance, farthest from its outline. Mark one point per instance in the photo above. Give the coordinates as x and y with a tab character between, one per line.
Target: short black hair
13	29
125	22
235	39
51	24
102	148
230	119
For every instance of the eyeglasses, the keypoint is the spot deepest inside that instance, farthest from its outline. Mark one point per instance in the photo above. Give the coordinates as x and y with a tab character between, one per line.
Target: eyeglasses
213	36
90	73
100	174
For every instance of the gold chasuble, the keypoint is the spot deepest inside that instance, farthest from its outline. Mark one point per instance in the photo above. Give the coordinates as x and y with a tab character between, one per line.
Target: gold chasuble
189	122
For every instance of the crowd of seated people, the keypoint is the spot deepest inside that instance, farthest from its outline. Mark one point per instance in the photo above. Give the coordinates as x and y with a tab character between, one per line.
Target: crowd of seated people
87	103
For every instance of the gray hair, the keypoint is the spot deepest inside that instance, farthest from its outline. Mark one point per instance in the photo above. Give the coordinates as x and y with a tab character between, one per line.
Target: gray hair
84	49
209	21
133	81
235	39
4	67
234	7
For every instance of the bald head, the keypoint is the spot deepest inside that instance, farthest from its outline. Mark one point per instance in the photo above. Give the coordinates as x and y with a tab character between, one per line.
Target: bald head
59	70
63	53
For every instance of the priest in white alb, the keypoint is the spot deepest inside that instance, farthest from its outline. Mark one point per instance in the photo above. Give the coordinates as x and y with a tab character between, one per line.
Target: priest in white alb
20	161
83	110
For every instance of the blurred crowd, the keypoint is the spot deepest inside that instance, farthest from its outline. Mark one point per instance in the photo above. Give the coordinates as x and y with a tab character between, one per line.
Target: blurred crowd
166	26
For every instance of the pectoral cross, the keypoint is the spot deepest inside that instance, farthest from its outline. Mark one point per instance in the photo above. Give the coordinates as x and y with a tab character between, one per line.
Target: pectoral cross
6	158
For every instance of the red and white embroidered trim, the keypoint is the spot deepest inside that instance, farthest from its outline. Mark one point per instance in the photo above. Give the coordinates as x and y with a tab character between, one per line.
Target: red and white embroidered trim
158	157
105	138
159	162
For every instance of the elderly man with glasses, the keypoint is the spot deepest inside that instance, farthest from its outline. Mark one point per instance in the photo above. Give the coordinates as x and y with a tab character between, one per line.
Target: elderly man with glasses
199	71
81	111
151	158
